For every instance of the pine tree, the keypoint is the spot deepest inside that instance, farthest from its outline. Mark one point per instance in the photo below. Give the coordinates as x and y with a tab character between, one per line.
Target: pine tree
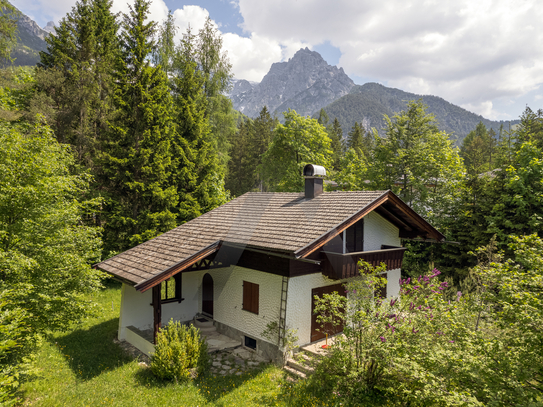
136	157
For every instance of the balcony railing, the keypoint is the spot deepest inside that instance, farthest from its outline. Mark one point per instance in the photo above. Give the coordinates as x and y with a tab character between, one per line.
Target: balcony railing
338	266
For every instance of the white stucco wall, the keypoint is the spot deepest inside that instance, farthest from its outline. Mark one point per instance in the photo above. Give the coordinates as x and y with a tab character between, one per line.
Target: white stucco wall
228	297
393	282
299	303
135	309
379	231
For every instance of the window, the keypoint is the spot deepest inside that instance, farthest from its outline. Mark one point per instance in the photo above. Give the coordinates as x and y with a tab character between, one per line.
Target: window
250	342
250	297
170	290
355	237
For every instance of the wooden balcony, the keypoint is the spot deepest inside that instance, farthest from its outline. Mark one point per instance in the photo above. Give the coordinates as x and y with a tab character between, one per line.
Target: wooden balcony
338	266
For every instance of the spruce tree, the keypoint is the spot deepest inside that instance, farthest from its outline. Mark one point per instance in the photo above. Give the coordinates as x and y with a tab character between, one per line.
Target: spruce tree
197	173
241	174
336	138
264	126
75	77
355	139
136	160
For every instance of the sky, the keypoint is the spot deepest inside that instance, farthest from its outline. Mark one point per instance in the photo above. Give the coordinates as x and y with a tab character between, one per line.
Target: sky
483	55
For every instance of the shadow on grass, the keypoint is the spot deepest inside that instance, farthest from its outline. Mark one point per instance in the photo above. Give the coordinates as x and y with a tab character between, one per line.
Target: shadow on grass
92	351
212	388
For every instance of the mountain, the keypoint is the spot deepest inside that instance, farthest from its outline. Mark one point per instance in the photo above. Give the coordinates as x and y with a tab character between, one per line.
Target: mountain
305	83
368	103
30	41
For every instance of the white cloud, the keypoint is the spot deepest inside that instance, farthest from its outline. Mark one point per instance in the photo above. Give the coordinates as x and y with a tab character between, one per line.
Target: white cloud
468	52
194	16
252	57
158	10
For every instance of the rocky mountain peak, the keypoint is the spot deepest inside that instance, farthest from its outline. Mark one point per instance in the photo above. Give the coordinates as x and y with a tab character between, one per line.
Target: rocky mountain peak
305	83
29	25
50	27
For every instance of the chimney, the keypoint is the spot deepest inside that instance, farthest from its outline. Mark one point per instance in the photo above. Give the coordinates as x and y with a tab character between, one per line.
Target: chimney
313	175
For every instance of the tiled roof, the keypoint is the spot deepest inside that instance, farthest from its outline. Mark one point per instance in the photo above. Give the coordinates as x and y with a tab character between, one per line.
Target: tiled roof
279	221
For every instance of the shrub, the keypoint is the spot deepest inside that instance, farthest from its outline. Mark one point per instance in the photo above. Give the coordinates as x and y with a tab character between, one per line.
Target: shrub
179	352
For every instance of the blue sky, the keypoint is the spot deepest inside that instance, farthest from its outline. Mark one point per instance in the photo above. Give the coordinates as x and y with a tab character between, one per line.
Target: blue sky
483	55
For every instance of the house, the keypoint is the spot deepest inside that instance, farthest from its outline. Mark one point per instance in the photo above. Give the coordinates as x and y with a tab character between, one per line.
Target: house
261	258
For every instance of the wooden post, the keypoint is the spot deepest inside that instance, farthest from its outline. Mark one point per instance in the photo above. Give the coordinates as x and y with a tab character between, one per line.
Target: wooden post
157	310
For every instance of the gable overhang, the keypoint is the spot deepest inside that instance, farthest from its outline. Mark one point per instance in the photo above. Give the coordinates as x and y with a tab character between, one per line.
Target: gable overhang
176	268
390	206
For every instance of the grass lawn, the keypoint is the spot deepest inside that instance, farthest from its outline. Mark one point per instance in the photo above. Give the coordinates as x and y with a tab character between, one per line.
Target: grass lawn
84	367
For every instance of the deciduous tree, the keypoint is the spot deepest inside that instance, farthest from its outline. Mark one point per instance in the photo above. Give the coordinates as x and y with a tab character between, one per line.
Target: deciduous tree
300	141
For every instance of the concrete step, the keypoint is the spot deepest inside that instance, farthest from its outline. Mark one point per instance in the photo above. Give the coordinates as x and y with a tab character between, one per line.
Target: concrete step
207	329
303	366
294	373
201	322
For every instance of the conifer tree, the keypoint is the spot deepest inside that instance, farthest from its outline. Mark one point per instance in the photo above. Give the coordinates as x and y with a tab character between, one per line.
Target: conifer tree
264	126
136	160
336	139
75	77
477	150
323	118
8	29
241	175
355	139
197	173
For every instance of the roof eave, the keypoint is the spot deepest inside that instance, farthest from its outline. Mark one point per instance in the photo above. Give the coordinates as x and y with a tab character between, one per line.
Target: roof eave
183	264
386	196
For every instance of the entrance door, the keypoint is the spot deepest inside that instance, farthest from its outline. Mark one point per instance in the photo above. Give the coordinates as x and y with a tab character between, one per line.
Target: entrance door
317	335
207	295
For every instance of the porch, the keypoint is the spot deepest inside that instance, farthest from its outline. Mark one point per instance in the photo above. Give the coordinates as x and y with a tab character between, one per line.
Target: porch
143	339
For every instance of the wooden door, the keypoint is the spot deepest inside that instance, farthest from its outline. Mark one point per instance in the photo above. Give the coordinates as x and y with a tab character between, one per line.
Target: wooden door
317	335
207	295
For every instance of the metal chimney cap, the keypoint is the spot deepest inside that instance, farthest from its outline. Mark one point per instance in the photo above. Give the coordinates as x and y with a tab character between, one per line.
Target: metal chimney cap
312	170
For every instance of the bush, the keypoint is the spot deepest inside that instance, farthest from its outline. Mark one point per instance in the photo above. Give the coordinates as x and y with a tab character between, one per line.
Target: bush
179	352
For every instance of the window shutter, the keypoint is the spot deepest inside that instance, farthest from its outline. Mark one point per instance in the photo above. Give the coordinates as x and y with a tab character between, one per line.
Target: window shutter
250	297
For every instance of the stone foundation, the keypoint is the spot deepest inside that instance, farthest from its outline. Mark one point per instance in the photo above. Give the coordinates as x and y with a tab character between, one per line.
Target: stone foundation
264	349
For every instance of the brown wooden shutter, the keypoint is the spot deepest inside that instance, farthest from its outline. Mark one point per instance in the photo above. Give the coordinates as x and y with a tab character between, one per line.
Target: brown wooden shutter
250	297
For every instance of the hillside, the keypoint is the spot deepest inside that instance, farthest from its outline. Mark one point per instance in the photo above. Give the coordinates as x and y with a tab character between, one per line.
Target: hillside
369	102
30	41
305	83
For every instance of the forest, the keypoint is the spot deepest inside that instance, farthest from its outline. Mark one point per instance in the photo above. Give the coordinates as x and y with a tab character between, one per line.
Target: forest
121	133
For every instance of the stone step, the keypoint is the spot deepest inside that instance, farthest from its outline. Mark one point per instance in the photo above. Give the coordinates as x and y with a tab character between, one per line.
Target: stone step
207	329
303	366
296	374
313	351
201	322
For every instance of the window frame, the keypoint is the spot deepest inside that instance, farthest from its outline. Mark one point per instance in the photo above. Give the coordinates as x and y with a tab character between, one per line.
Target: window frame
178	290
